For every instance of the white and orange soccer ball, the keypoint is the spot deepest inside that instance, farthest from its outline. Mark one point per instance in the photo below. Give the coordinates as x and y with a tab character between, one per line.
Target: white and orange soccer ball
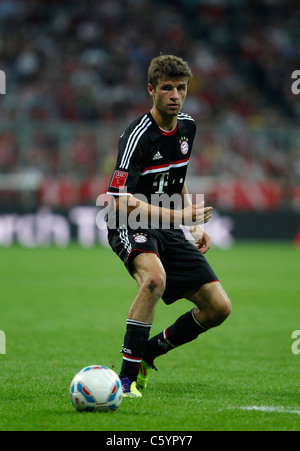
96	388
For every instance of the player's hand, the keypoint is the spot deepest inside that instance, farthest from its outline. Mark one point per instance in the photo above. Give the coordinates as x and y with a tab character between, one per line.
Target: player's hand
196	214
202	240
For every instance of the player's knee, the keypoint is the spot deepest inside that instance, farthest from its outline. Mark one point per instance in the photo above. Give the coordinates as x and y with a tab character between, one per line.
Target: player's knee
155	283
220	310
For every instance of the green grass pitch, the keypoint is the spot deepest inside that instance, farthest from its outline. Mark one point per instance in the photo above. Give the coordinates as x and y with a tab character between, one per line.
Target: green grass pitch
63	309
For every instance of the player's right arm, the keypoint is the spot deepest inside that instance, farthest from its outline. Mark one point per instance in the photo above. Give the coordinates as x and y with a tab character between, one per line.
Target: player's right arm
191	215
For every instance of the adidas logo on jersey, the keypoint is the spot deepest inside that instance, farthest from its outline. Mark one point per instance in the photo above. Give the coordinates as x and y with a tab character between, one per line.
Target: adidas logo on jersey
157	156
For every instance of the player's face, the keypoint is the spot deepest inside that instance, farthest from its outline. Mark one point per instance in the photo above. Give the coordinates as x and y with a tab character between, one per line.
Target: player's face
169	95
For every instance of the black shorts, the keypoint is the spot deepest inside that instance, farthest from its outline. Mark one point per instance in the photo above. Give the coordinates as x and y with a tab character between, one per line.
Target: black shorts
186	268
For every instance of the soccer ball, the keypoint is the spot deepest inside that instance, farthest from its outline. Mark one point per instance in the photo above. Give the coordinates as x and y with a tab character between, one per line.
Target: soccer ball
96	388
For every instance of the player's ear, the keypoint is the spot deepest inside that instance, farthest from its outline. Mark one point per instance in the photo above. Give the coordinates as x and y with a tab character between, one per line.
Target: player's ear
151	90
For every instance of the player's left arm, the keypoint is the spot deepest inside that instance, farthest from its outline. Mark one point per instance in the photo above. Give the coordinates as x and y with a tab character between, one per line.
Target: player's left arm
202	240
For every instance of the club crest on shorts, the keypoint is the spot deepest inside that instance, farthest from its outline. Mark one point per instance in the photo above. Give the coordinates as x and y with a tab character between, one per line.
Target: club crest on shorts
140	238
184	145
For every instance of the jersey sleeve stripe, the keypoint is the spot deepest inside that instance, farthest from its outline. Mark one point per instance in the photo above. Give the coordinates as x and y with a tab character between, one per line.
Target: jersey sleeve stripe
184	116
130	138
111	193
133	141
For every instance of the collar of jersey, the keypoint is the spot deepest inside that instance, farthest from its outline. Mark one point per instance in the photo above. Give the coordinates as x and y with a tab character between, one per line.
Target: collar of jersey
164	132
169	133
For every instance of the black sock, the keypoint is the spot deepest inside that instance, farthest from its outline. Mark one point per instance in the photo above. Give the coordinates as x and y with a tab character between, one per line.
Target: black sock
184	330
136	338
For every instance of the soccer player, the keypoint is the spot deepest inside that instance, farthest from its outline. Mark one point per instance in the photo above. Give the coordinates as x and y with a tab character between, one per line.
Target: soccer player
153	156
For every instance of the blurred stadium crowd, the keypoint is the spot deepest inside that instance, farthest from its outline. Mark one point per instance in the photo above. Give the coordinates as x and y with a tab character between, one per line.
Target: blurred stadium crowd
76	75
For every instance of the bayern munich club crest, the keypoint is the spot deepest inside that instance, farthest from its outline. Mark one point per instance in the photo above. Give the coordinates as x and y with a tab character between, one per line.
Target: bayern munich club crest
184	145
140	238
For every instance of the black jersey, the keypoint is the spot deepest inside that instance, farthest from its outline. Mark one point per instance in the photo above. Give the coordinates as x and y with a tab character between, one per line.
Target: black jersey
152	161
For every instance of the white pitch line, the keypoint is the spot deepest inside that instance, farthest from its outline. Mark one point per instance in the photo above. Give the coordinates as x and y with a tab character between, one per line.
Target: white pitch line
270	409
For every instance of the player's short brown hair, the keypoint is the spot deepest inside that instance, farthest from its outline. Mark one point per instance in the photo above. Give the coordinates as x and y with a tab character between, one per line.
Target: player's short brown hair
170	66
